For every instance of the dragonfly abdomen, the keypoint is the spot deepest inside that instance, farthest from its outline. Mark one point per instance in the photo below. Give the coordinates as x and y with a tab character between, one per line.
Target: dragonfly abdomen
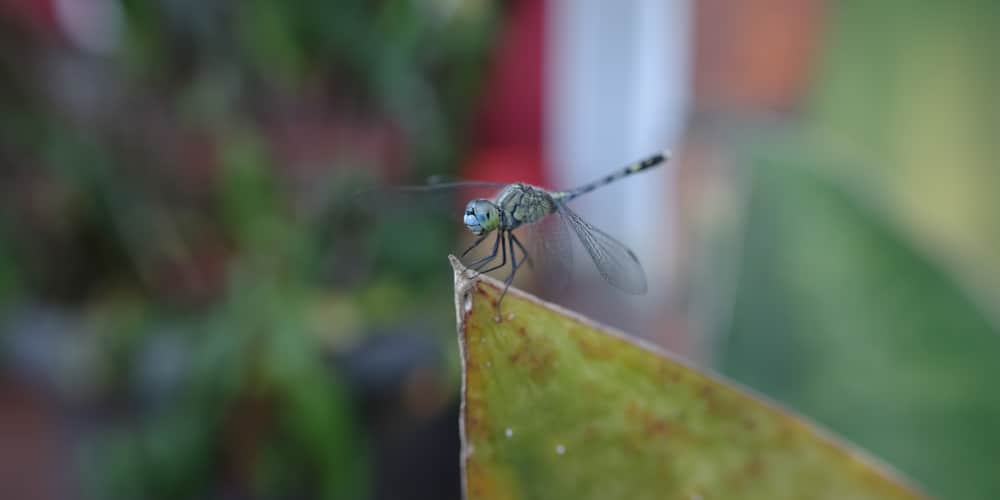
634	168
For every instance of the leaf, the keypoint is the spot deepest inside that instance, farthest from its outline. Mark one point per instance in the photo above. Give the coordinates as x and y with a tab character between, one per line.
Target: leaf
844	314
555	406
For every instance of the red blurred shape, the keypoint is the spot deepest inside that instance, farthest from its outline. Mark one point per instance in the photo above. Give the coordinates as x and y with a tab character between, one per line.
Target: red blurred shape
509	140
37	16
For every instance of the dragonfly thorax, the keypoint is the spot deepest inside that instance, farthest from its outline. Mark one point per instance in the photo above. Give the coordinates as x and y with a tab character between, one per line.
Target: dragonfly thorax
481	216
521	203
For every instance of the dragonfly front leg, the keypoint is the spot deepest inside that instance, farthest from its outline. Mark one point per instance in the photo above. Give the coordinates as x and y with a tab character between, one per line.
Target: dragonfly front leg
502	240
476	244
485	260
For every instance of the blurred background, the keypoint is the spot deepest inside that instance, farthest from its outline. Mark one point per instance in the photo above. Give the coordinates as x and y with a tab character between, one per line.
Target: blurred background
194	302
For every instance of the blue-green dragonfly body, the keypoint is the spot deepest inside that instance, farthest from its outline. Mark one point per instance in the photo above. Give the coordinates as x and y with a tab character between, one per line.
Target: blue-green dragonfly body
519	204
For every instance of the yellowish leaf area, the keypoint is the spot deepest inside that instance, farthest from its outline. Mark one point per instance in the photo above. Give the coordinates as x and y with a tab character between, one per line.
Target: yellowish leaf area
556	407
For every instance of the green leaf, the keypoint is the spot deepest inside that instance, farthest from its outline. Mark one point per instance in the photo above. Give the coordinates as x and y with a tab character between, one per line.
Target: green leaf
846	315
555	406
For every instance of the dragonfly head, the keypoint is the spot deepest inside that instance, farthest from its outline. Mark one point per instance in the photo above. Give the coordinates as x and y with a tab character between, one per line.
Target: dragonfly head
481	217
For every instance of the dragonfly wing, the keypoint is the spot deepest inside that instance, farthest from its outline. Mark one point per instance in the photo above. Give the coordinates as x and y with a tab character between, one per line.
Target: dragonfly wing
434	186
551	249
616	263
450	196
428	218
443	200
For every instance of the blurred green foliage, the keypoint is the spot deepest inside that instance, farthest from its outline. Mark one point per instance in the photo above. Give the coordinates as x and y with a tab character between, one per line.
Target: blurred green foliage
915	98
842	317
191	199
868	267
257	405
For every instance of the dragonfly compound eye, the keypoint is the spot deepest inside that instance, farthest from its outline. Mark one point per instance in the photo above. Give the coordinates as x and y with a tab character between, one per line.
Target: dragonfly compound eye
471	218
487	214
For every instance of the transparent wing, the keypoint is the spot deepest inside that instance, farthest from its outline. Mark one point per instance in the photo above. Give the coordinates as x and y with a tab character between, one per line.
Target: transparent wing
434	196
443	187
616	263
415	226
445	201
551	249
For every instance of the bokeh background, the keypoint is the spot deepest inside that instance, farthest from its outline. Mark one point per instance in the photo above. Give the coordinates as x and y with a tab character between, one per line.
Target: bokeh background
195	302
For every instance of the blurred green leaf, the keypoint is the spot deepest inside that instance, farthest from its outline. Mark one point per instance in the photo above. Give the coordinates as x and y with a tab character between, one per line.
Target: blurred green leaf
177	213
916	99
841	315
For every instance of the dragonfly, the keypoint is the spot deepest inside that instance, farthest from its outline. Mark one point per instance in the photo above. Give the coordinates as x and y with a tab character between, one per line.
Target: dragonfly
518	204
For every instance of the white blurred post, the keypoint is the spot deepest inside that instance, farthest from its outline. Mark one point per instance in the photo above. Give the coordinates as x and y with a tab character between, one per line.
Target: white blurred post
617	90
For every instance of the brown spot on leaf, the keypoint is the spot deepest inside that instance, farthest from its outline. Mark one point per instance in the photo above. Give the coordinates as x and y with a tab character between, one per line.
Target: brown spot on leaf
651	425
476	426
590	348
755	467
534	355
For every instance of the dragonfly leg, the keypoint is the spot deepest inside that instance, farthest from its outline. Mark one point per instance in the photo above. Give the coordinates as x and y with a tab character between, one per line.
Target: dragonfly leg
502	240
474	245
485	260
513	269
524	253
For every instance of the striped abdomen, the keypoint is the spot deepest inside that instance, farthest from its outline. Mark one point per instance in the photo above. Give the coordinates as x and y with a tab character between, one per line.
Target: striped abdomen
634	168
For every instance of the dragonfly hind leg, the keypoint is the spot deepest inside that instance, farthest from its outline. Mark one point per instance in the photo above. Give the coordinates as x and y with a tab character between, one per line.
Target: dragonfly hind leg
524	253
514	266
